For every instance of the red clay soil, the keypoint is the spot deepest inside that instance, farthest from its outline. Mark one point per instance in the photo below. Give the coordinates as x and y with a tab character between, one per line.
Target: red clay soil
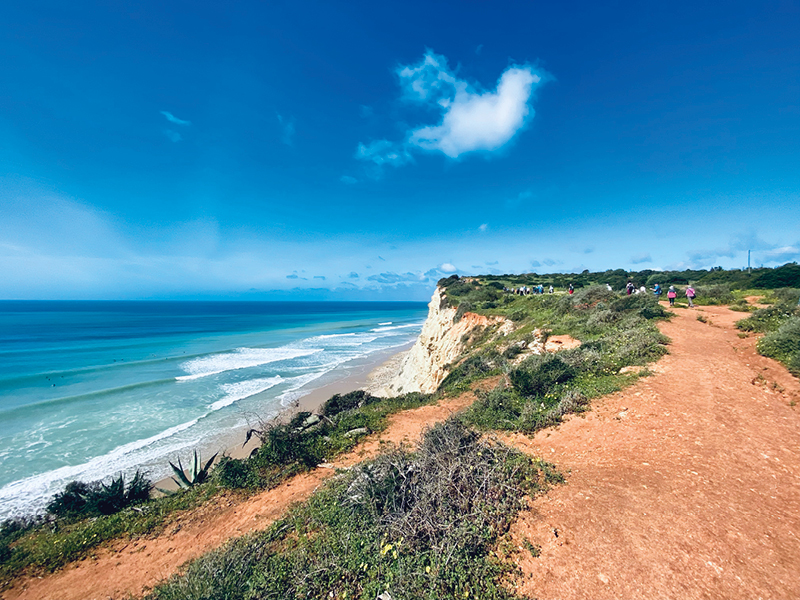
685	485
129	568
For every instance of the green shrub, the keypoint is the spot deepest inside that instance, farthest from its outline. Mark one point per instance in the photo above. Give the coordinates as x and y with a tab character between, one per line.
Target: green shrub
783	344
341	402
591	296
714	295
474	367
235	474
538	374
786	295
80	499
463	307
768	319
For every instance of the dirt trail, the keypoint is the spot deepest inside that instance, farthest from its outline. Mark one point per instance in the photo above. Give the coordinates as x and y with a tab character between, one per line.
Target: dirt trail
685	485
129	568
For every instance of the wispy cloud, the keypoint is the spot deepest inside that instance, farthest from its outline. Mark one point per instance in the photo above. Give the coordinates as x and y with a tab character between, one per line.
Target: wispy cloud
348	180
353	275
390	277
483	227
447	268
472	119
175	120
739	244
783	254
287	130
173	136
640	258
383	153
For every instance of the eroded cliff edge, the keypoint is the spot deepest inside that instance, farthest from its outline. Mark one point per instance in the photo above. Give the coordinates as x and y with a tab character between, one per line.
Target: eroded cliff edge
444	338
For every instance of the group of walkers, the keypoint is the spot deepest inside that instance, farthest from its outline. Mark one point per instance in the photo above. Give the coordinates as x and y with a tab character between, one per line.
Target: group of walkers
630	289
526	291
672	294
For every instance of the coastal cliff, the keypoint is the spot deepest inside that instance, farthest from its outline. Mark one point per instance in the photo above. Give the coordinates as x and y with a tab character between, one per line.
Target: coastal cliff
442	341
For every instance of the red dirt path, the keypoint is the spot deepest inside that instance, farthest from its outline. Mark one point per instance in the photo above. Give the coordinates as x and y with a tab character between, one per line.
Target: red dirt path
685	485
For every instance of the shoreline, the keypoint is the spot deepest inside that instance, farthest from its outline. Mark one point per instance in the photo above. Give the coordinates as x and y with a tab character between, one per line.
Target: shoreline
369	373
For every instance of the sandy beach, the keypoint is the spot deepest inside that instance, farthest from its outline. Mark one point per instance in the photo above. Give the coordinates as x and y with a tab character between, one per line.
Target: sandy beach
370	373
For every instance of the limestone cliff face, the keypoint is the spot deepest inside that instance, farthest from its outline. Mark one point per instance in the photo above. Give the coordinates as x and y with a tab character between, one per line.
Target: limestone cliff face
441	342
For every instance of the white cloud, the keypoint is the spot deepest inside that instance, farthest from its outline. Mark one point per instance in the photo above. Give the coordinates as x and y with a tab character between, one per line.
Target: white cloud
173	119
447	268
472	119
475	121
383	152
783	254
642	257
483	227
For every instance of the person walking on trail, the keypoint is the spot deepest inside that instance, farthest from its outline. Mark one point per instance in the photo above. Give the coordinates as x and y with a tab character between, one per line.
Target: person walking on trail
657	292
571	289
690	294
671	294
551	289
629	288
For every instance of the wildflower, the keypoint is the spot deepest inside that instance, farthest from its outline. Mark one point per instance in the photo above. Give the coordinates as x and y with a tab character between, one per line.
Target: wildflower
428	569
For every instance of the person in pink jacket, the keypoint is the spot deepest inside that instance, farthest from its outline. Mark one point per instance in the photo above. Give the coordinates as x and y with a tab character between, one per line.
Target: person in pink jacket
671	294
690	294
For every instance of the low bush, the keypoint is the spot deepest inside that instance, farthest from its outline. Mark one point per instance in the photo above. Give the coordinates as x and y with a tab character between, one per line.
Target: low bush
341	402
788	296
769	318
783	344
539	374
471	369
80	499
714	295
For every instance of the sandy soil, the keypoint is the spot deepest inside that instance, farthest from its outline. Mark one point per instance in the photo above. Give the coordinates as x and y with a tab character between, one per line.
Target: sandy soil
685	485
129	568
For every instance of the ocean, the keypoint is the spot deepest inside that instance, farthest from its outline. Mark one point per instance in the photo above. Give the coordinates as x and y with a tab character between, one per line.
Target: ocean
89	390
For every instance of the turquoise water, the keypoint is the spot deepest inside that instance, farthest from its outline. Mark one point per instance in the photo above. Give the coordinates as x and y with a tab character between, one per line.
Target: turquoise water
92	389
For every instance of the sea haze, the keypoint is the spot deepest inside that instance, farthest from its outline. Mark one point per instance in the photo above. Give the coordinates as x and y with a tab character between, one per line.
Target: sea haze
92	389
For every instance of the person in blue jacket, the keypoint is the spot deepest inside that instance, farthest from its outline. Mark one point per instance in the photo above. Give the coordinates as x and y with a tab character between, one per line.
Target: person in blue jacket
657	292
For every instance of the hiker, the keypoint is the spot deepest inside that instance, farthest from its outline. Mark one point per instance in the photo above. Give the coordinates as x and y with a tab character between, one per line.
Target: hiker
642	290
572	290
690	294
657	292
671	294
551	289
629	288
608	287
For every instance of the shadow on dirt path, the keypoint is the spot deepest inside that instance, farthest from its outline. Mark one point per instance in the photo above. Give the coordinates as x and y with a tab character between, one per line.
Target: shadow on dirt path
685	485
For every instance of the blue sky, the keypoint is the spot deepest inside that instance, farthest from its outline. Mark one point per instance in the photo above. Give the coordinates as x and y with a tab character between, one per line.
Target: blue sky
366	149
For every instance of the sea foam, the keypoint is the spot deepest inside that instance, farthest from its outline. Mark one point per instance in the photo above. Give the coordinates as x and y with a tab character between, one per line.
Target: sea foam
241	358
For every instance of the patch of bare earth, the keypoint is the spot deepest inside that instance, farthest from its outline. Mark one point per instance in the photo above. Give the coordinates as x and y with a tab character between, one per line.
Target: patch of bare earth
685	485
127	569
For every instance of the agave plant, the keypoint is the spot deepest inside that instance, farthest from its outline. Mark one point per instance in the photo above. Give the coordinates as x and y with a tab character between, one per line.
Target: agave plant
196	475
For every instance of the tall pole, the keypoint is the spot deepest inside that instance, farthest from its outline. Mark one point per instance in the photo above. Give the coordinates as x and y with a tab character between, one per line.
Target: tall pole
748	262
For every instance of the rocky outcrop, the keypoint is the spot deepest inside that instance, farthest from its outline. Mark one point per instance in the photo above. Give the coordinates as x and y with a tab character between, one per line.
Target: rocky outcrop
441	342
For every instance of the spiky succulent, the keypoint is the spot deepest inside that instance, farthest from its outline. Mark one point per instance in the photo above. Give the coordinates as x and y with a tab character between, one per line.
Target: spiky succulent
196	474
